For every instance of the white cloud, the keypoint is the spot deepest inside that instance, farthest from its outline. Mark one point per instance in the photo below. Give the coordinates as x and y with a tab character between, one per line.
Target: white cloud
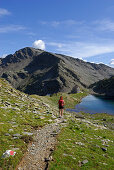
55	23
31	34
104	25
9	28
3	56
83	26
52	23
81	49
112	62
69	22
59	45
39	44
4	12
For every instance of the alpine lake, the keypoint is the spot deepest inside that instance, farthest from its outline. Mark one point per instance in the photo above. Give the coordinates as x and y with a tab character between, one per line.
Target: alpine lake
95	104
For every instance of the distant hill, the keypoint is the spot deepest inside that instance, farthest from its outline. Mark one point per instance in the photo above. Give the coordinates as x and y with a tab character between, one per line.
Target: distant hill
34	71
104	87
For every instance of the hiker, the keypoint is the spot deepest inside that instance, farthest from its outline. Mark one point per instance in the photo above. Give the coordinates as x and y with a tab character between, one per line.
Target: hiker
61	106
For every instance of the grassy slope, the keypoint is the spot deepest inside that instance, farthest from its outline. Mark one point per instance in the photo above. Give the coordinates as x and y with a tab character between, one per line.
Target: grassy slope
83	139
25	112
18	113
21	113
70	99
68	153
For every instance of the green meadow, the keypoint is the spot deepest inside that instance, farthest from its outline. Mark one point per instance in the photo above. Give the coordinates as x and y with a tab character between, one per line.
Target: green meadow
85	143
19	114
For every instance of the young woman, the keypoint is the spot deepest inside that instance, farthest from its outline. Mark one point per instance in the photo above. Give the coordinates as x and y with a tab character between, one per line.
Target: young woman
61	106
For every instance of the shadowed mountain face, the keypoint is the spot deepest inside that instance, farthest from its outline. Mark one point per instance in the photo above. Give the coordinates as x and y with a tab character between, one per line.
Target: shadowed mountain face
38	72
104	87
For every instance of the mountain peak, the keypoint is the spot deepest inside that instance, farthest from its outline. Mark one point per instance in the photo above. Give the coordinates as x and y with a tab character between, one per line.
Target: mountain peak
35	71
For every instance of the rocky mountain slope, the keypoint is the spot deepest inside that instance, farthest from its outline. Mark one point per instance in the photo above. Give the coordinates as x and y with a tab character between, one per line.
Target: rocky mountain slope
104	87
35	71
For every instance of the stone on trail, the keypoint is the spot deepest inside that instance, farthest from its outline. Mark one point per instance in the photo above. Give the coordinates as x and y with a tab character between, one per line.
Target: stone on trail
85	161
15	126
65	154
7	134
79	116
53	134
80	143
36	104
16	108
17	135
36	112
48	159
104	149
53	117
50	120
10	130
28	133
64	121
11	122
41	117
48	112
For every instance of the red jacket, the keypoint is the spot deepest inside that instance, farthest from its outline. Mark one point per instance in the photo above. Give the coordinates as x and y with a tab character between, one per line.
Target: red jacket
61	102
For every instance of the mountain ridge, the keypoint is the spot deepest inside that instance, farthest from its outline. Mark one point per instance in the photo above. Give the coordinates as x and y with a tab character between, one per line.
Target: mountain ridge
35	71
104	87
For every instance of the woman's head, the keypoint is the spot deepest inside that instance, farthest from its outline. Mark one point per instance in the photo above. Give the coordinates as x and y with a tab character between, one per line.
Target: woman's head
61	97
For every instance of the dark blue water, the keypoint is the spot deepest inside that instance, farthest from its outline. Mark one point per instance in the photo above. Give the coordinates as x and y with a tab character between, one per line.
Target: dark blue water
92	104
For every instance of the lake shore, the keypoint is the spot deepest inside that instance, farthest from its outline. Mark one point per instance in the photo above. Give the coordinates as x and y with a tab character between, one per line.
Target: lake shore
95	104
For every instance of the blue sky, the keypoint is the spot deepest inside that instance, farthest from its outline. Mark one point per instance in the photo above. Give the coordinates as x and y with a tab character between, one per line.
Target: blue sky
79	28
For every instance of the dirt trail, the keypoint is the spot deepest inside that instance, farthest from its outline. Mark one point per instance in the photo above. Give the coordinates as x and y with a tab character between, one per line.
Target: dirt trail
39	153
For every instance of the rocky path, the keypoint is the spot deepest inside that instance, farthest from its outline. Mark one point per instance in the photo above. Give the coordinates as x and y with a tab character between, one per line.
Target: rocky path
39	152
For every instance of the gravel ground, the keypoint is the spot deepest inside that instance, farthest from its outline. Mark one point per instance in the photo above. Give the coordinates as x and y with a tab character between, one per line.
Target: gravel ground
39	152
